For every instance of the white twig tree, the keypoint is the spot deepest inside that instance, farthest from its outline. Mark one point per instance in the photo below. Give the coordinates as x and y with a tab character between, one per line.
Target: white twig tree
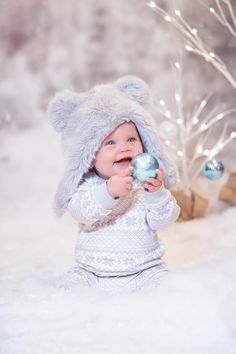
190	132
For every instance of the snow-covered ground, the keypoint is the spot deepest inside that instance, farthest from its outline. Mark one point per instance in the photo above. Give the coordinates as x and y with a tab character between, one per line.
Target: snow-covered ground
193	310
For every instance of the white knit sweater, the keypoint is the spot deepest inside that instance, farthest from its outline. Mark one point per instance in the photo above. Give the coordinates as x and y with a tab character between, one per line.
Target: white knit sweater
118	237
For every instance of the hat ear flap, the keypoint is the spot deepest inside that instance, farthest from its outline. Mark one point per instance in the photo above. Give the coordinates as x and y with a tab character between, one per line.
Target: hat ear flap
136	89
60	110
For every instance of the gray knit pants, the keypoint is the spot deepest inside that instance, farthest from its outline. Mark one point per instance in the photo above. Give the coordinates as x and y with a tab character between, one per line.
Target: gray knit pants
78	276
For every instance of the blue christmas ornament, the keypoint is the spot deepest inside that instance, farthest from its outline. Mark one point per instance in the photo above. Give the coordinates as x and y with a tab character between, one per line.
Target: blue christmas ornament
144	166
213	169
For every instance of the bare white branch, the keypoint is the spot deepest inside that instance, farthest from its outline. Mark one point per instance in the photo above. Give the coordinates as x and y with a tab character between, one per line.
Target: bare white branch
194	43
192	148
226	15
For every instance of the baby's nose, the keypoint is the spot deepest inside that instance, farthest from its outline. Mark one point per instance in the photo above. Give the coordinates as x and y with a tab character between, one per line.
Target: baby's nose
125	147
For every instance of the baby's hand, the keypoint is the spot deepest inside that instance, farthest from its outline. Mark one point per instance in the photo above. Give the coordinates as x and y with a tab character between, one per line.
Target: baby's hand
121	184
153	184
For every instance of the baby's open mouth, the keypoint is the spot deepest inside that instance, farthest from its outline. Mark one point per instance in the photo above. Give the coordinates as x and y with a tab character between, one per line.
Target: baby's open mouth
125	160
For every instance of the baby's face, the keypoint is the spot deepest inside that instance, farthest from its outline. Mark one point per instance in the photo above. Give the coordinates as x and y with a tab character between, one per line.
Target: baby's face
117	150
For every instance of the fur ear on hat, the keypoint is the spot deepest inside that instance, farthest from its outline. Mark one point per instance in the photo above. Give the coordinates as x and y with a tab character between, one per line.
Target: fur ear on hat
135	88
60	110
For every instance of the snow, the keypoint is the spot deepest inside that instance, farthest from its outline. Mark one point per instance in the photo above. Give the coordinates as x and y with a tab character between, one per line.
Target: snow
192	311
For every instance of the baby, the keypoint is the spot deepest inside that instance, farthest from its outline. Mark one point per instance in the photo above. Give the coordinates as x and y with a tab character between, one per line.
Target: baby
117	249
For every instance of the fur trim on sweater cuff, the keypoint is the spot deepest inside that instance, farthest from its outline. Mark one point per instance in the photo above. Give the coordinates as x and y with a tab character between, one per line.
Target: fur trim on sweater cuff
103	197
156	197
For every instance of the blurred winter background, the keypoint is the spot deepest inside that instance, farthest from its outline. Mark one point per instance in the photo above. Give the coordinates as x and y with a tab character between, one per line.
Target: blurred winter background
46	46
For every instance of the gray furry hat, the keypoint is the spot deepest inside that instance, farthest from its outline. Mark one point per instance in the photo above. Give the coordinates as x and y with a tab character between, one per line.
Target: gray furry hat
85	119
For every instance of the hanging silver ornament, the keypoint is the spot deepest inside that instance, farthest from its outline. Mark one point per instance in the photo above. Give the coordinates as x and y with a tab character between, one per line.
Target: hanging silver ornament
213	169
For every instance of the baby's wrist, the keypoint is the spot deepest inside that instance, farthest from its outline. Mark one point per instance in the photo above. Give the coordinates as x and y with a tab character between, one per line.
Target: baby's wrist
109	189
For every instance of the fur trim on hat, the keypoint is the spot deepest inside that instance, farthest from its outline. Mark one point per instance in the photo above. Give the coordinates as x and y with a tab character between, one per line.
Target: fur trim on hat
84	120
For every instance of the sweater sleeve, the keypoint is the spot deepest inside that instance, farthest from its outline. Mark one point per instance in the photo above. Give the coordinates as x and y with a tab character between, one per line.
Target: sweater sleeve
91	203
161	208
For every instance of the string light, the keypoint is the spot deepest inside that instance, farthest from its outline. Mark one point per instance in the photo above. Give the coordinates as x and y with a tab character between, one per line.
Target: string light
179	121
167	114
180	153
177	97
233	135
203	103
162	103
194	31
212	54
152	4
177	65
178	13
188	48
204	126
214	152
206	152
219	116
167	142
199	149
212	10
167	18
195	120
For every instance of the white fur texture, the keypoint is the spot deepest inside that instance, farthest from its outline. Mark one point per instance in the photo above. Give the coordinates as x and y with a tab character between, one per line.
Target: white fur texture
85	119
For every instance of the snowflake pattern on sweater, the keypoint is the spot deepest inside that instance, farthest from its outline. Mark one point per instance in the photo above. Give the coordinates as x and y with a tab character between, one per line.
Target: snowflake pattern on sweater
117	238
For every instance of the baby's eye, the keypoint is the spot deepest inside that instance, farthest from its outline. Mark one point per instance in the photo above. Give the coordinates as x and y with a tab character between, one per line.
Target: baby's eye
132	139
110	142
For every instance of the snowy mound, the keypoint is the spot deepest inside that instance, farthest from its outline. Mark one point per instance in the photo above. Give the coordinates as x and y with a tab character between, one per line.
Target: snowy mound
192	311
